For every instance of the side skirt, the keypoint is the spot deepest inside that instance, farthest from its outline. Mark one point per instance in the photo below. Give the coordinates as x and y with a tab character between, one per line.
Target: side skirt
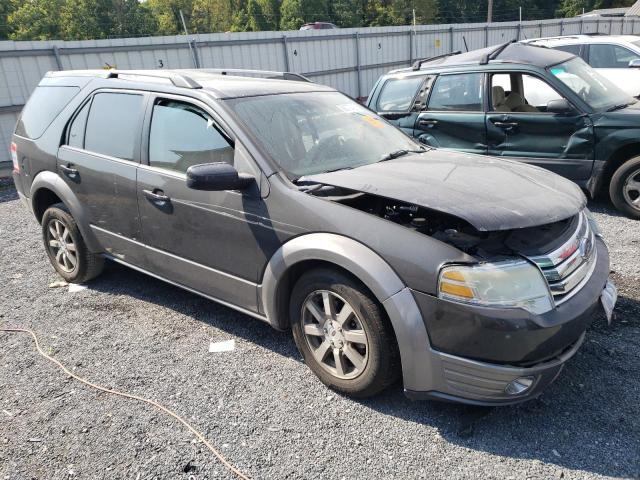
208	297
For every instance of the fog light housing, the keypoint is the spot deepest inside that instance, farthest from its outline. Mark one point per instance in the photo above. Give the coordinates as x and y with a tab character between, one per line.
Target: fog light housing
519	385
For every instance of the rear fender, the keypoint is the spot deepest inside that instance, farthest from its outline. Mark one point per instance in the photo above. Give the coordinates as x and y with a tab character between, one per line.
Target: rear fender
51	181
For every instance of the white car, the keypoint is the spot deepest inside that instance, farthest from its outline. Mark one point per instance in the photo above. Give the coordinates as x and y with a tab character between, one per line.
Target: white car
617	57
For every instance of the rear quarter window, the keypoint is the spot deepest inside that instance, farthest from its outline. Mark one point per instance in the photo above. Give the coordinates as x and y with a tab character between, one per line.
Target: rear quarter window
398	93
43	107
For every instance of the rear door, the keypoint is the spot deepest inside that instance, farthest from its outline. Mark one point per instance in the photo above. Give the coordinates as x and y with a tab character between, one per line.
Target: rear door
98	161
523	130
400	99
454	114
207	241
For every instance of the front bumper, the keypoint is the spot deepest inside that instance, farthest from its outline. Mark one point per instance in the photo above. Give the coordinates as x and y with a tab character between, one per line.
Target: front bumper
473	353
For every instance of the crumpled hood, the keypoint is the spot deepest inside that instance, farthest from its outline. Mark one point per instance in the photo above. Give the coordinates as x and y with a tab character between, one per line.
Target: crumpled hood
489	193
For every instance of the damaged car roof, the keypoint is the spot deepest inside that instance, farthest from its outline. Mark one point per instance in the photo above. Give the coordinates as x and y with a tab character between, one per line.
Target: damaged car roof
490	194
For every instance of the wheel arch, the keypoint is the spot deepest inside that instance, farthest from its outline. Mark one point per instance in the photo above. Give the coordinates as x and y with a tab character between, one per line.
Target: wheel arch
317	250
615	161
48	189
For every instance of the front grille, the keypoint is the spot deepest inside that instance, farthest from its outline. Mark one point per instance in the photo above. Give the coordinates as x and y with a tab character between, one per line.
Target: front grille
567	268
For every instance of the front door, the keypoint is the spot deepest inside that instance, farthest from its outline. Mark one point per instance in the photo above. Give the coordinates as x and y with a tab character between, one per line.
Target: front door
98	161
519	127
454	115
203	240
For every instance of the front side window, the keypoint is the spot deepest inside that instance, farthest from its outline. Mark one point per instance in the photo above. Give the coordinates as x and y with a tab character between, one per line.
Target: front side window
113	124
461	92
183	135
610	56
43	106
398	93
594	89
307	133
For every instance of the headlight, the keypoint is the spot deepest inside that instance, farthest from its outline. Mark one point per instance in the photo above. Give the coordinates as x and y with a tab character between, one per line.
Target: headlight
595	228
502	284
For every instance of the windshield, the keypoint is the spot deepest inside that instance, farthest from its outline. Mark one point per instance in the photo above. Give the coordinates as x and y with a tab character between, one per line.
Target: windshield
307	133
597	91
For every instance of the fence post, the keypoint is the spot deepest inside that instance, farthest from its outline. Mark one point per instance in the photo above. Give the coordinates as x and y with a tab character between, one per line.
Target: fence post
561	27
56	54
519	28
357	40
486	35
285	49
450	39
597	26
581	25
196	58
410	46
540	27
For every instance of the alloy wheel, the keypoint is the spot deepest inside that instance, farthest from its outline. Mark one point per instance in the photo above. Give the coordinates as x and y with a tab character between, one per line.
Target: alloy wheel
335	334
62	246
631	189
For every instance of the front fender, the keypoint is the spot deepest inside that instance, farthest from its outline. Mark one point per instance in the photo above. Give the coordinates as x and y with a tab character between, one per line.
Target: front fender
370	269
51	181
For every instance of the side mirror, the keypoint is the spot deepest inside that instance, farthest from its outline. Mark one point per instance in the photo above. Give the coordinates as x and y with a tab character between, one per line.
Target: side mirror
216	177
634	63
560	105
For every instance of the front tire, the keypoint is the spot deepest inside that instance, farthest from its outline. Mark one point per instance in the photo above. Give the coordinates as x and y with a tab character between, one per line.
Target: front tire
343	333
65	246
624	188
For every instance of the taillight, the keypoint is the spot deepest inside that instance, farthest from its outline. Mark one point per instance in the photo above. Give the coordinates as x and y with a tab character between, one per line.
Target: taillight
14	157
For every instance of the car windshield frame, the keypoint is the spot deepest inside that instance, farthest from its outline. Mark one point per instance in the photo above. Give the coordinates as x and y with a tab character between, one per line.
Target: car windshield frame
576	74
319	117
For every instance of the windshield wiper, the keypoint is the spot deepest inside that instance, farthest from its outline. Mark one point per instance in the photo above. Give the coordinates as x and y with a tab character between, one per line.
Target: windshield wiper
618	107
399	153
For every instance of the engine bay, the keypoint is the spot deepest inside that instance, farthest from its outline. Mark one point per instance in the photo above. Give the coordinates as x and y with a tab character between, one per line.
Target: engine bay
448	228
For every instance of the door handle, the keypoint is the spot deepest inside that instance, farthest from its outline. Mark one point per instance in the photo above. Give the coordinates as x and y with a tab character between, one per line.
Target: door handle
428	123
68	171
156	195
506	125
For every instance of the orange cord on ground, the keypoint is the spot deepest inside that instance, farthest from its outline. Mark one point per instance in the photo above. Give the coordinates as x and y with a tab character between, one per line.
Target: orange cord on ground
199	435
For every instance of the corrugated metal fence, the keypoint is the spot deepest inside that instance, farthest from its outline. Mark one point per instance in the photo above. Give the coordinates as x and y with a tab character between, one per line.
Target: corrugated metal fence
347	59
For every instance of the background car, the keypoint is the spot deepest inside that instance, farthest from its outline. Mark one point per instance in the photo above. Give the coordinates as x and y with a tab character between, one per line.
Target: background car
616	57
318	26
537	105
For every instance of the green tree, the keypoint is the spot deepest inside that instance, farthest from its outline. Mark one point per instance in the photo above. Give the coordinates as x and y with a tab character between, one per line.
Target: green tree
35	20
6	8
167	15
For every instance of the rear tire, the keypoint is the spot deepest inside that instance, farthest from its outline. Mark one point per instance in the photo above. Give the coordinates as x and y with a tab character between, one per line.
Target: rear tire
624	188
343	333
65	246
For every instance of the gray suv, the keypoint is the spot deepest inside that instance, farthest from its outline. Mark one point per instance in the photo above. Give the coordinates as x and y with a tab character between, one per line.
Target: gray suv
474	278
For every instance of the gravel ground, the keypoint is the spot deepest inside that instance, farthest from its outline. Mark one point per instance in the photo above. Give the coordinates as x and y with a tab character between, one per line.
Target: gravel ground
261	406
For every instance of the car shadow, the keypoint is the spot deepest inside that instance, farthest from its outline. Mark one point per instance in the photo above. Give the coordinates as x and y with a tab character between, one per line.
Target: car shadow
7	190
555	428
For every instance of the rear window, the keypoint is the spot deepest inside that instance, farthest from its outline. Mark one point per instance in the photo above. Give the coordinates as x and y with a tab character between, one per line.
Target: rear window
43	106
113	124
575	49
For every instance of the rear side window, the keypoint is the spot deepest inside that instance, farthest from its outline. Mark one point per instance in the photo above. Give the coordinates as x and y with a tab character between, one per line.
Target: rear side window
398	93
183	135
575	49
43	107
462	93
113	124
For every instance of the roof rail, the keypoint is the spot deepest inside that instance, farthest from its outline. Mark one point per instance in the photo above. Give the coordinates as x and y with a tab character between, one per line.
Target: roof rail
418	63
257	73
493	54
177	79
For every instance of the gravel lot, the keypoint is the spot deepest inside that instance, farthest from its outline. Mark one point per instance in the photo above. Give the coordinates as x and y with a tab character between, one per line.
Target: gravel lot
260	405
